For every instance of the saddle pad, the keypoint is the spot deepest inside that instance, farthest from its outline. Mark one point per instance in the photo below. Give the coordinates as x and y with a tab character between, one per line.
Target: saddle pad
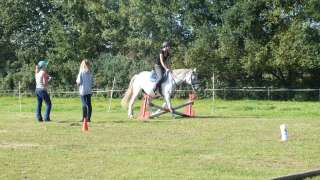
153	76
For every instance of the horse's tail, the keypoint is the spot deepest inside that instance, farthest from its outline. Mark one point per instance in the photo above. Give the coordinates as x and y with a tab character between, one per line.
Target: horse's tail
125	100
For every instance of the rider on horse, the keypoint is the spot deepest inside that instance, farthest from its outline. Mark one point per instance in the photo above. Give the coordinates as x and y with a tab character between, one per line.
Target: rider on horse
161	64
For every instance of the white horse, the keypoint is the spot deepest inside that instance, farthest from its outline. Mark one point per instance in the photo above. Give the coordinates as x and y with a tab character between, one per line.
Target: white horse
142	81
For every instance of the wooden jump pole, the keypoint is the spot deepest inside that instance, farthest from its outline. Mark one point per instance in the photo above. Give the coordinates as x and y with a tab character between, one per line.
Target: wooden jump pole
164	110
146	104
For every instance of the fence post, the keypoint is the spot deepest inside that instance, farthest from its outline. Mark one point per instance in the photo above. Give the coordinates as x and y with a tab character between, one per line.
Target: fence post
213	92
319	94
19	91
245	93
111	93
268	93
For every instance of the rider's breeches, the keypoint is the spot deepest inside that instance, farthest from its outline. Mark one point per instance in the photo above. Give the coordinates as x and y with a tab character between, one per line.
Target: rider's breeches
159	71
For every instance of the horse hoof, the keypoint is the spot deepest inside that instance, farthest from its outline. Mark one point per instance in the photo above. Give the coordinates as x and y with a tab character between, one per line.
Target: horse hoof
130	116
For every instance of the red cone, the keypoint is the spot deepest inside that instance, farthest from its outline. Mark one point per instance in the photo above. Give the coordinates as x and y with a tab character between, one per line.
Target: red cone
144	110
188	110
85	126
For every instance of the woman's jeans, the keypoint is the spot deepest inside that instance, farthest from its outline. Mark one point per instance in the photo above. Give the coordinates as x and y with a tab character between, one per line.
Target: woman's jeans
43	95
86	106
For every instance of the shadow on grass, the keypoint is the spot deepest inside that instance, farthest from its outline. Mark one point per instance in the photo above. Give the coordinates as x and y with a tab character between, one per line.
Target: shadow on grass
136	121
62	122
71	123
116	121
223	117
174	118
180	118
156	120
76	124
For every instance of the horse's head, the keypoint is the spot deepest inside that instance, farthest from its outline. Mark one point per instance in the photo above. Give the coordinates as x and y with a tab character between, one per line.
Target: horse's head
193	80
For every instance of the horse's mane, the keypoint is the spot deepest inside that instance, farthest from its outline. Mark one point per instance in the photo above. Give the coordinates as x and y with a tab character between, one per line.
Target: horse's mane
179	72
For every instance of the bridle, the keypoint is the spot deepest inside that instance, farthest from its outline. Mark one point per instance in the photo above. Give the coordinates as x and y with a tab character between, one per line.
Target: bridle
193	83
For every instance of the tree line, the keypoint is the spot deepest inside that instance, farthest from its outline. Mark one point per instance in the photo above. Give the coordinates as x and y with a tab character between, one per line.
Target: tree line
245	43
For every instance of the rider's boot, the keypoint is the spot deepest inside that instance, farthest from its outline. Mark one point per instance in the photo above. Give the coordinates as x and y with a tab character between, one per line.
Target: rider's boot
155	91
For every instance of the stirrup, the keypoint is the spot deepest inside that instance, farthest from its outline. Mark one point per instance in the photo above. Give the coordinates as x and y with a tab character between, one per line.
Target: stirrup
155	90
156	93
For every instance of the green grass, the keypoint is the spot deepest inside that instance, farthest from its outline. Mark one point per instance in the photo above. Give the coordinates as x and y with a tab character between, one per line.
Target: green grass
239	140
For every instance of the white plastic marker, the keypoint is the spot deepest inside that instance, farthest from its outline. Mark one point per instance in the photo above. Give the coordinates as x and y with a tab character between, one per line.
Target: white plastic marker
284	132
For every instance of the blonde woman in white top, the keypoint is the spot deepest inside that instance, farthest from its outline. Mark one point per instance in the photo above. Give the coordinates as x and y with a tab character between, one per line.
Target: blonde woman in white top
84	81
42	79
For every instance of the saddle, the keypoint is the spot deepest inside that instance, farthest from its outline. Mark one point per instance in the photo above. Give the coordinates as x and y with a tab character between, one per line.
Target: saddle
153	78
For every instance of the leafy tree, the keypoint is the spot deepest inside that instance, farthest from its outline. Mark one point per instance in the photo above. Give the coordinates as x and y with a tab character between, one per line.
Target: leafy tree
246	43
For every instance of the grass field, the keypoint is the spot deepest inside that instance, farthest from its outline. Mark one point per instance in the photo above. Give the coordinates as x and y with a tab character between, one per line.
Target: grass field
239	140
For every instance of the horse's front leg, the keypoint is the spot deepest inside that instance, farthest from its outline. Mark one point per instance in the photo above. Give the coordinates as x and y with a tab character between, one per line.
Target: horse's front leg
131	102
168	102
130	112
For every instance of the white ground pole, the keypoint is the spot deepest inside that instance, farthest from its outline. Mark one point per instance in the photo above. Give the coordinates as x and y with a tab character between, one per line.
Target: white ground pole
111	94
20	104
212	92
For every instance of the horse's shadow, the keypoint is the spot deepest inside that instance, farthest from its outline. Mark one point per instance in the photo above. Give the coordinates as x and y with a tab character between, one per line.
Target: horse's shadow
136	121
173	118
214	117
223	117
167	119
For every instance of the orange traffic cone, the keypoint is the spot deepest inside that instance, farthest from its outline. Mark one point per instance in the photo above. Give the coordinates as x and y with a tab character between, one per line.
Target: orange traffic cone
85	126
188	110
144	110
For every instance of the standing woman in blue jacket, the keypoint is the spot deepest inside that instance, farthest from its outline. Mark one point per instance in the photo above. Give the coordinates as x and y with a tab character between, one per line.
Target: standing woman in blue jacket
84	81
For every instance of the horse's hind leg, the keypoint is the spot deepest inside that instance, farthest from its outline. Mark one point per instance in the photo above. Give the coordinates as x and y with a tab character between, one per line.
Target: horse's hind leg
131	102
